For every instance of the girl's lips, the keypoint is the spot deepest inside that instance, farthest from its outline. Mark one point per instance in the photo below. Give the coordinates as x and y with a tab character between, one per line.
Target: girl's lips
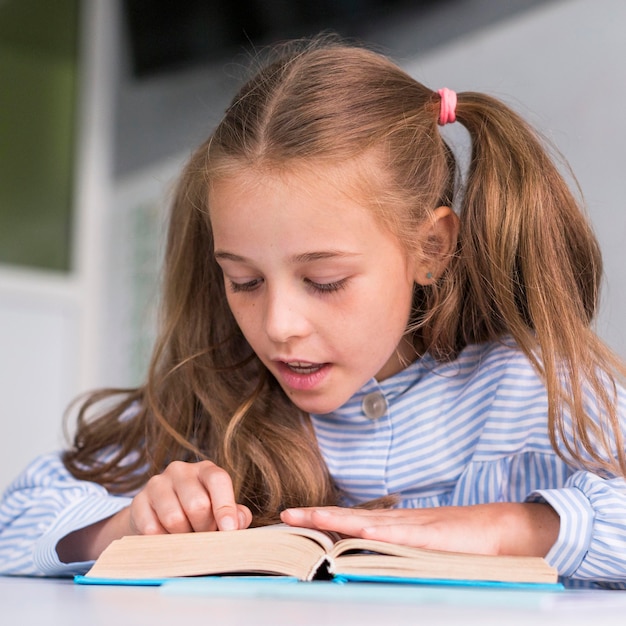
302	375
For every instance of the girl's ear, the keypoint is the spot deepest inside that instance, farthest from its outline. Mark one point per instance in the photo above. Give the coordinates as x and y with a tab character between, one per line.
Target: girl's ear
439	236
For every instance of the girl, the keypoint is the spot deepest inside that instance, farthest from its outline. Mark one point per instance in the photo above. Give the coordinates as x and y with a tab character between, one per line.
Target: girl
334	334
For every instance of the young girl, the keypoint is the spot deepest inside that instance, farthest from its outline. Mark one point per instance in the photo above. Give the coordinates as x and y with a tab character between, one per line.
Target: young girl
340	349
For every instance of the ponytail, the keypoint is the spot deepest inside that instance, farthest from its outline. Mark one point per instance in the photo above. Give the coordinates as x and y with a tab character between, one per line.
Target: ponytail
529	265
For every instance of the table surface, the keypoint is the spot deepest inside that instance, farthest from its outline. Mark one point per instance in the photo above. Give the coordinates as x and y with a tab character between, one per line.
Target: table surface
61	602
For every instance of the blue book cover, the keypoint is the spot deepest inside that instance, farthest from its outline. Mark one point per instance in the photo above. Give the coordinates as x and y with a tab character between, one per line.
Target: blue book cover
238	583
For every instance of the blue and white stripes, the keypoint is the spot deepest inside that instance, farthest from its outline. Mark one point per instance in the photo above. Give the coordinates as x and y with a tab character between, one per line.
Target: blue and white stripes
44	504
444	421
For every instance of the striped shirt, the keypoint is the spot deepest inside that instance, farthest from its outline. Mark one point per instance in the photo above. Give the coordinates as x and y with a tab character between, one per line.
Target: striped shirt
466	432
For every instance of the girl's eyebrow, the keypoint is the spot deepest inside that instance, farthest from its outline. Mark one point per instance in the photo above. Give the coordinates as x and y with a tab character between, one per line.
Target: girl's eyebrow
305	257
308	257
229	256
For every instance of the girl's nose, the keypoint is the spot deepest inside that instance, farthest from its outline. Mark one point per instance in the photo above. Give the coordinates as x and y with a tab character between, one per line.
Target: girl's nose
285	317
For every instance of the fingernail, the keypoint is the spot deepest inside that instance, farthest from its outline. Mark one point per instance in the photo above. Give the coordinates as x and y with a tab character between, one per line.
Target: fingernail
243	522
228	523
295	513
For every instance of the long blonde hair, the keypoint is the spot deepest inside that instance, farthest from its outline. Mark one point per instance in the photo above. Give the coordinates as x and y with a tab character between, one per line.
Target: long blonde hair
527	264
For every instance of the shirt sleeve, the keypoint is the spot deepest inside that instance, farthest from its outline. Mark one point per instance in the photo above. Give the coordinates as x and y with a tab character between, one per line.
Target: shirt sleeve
43	505
592	537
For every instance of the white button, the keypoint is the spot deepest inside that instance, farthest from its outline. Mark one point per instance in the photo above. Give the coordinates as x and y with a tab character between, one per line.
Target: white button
374	405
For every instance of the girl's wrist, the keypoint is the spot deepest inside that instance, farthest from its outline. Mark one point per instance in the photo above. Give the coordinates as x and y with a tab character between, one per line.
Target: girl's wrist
529	529
86	544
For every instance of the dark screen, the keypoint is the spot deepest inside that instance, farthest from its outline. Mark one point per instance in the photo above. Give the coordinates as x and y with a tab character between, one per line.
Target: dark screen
166	35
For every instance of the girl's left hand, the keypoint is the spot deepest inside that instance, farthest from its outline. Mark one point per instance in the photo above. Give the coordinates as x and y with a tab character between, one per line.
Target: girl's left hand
498	528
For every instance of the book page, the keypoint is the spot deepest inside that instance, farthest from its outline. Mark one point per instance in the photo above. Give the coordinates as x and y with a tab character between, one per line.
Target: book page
279	550
376	558
326	539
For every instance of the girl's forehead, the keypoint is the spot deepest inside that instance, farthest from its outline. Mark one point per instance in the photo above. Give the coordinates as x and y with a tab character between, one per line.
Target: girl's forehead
272	221
356	177
324	195
327	200
309	193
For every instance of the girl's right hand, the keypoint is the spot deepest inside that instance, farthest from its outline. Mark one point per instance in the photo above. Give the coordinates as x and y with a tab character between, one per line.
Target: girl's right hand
186	497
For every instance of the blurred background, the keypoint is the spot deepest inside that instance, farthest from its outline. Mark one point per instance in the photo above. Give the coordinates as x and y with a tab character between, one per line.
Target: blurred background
101	101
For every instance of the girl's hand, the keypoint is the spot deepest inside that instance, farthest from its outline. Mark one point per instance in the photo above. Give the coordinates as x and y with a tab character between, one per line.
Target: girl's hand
186	497
499	528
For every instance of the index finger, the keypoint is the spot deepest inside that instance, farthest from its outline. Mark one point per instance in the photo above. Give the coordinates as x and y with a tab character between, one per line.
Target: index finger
220	488
345	521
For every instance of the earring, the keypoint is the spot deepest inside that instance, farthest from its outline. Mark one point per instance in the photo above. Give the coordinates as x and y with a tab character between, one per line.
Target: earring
429	275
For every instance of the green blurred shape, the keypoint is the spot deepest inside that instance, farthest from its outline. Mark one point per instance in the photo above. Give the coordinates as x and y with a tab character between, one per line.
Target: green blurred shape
38	90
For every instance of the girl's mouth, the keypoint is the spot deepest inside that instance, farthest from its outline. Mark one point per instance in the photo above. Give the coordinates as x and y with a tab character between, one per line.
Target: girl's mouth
302	375
298	367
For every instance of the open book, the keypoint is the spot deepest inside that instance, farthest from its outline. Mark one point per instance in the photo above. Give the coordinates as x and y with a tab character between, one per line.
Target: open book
304	554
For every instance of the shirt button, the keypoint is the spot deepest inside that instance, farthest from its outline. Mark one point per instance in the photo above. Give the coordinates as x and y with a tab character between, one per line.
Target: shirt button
374	405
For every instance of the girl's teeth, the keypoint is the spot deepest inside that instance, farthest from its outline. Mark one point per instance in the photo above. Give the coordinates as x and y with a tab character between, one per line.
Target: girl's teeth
303	368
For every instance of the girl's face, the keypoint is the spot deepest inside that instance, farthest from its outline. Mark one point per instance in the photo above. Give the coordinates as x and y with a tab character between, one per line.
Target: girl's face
320	291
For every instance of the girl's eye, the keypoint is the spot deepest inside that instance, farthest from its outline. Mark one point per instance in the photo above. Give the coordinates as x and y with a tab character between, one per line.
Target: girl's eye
250	285
327	287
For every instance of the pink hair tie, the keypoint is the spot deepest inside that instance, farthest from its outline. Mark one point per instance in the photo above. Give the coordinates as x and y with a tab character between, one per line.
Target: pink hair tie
447	110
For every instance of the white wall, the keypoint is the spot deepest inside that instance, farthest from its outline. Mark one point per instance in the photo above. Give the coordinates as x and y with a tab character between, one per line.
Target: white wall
560	65
38	365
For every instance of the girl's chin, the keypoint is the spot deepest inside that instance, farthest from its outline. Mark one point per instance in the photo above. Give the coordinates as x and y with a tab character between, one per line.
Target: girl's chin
319	404
312	406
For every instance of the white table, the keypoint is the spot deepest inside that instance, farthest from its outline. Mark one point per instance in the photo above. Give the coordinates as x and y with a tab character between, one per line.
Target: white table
54	602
